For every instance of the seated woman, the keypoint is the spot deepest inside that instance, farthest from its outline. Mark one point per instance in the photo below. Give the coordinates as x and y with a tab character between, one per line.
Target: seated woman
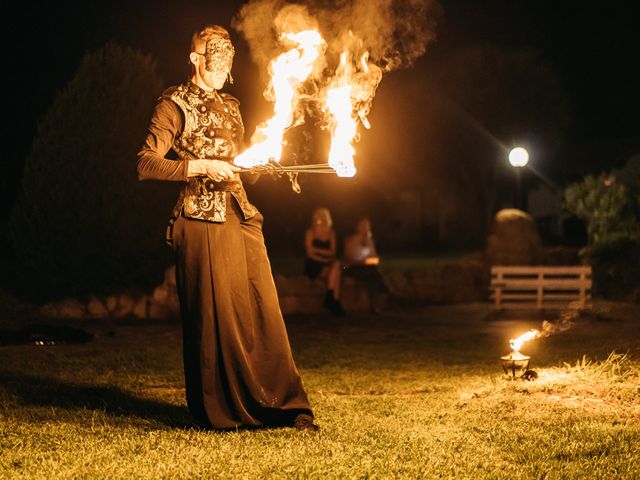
361	261
359	248
321	261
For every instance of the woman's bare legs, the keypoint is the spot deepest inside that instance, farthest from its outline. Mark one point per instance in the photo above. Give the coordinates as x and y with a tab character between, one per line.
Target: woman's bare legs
333	274
334	279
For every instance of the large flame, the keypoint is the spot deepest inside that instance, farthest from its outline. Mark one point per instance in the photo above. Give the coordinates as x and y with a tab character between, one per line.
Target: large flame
288	72
348	99
345	98
516	343
343	124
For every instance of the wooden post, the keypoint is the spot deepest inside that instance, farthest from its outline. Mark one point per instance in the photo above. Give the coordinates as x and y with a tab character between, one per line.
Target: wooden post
540	291
583	282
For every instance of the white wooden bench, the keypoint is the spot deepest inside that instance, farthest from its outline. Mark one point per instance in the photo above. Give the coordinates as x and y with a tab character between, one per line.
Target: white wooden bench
540	287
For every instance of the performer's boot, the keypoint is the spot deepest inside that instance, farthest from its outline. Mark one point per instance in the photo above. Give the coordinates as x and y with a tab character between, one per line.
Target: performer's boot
328	299
304	422
333	305
337	309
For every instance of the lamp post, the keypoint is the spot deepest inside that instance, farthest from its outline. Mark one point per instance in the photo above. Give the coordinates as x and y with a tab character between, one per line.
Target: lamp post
518	158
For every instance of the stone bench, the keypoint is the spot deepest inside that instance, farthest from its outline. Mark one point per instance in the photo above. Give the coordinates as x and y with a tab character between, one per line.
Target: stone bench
301	295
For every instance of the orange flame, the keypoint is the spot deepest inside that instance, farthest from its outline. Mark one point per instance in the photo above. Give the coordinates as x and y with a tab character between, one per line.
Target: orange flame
348	99
288	72
345	97
516	343
343	125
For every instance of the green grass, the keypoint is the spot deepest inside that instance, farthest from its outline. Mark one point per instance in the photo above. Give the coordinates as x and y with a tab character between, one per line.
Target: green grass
409	394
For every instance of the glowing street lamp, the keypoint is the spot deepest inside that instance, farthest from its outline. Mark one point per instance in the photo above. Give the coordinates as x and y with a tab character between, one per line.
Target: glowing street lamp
518	158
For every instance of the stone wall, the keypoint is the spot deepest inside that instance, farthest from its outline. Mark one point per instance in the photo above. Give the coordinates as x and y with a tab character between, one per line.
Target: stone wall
458	283
162	303
298	294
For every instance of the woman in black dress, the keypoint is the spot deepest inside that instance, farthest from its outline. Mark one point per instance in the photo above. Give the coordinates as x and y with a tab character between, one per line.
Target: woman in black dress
321	259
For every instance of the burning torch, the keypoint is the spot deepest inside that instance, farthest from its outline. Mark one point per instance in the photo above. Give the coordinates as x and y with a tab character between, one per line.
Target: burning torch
516	364
344	98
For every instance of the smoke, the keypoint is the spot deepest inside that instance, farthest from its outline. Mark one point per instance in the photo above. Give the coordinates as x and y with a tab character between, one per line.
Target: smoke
394	32
255	22
362	39
566	321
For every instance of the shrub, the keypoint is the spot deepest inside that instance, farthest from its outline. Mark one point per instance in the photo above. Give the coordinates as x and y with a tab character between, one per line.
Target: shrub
611	211
83	223
616	268
609	208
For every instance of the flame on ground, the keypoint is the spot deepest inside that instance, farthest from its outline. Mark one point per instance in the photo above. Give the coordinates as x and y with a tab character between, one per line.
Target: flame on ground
516	343
288	72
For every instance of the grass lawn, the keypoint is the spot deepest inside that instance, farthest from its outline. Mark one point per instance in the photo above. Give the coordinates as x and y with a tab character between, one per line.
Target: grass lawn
407	394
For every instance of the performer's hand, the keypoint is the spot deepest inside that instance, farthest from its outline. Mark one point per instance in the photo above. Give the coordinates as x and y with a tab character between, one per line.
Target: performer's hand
216	170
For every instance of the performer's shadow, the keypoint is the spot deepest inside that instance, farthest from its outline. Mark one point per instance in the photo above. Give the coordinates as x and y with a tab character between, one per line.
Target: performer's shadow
52	392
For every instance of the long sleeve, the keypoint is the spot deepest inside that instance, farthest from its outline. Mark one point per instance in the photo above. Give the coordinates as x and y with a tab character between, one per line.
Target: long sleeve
164	127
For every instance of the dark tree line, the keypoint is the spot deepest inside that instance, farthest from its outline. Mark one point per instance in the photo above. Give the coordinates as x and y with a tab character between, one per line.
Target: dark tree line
82	222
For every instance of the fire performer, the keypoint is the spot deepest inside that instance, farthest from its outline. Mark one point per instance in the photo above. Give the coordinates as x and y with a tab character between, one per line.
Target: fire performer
239	370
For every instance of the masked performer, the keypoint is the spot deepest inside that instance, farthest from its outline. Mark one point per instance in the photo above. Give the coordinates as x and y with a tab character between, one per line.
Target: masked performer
239	370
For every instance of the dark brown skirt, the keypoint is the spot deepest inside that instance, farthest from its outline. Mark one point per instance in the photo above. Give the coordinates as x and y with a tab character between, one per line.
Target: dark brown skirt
238	365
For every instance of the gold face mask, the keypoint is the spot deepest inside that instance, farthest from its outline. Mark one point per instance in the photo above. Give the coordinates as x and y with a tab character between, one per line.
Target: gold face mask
218	55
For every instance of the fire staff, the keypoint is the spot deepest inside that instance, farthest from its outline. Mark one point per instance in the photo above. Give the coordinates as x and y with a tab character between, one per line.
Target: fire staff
239	370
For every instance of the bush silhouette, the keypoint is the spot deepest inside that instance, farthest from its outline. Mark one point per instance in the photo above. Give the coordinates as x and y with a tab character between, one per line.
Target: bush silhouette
83	223
610	208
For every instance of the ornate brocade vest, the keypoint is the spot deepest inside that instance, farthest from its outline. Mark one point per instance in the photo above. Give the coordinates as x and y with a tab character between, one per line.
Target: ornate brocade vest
213	130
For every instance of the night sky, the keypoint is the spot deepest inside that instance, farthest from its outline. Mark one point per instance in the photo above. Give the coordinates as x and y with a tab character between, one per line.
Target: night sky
592	47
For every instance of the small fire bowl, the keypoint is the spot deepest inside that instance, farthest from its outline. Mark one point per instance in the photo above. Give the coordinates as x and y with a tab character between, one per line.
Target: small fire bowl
515	364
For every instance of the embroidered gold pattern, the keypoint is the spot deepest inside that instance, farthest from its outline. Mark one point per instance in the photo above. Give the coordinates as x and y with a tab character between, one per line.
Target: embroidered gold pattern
212	129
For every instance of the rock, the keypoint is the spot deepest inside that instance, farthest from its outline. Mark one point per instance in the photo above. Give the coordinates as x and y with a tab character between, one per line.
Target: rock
96	309
111	302
157	311
160	294
164	303
298	285
398	283
514	240
311	303
289	305
71	308
282	285
355	296
170	276
162	311
125	306
445	284
173	302
141	308
48	310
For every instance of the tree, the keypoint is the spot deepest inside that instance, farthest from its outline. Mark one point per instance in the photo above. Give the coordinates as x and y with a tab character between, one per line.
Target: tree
82	223
609	208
